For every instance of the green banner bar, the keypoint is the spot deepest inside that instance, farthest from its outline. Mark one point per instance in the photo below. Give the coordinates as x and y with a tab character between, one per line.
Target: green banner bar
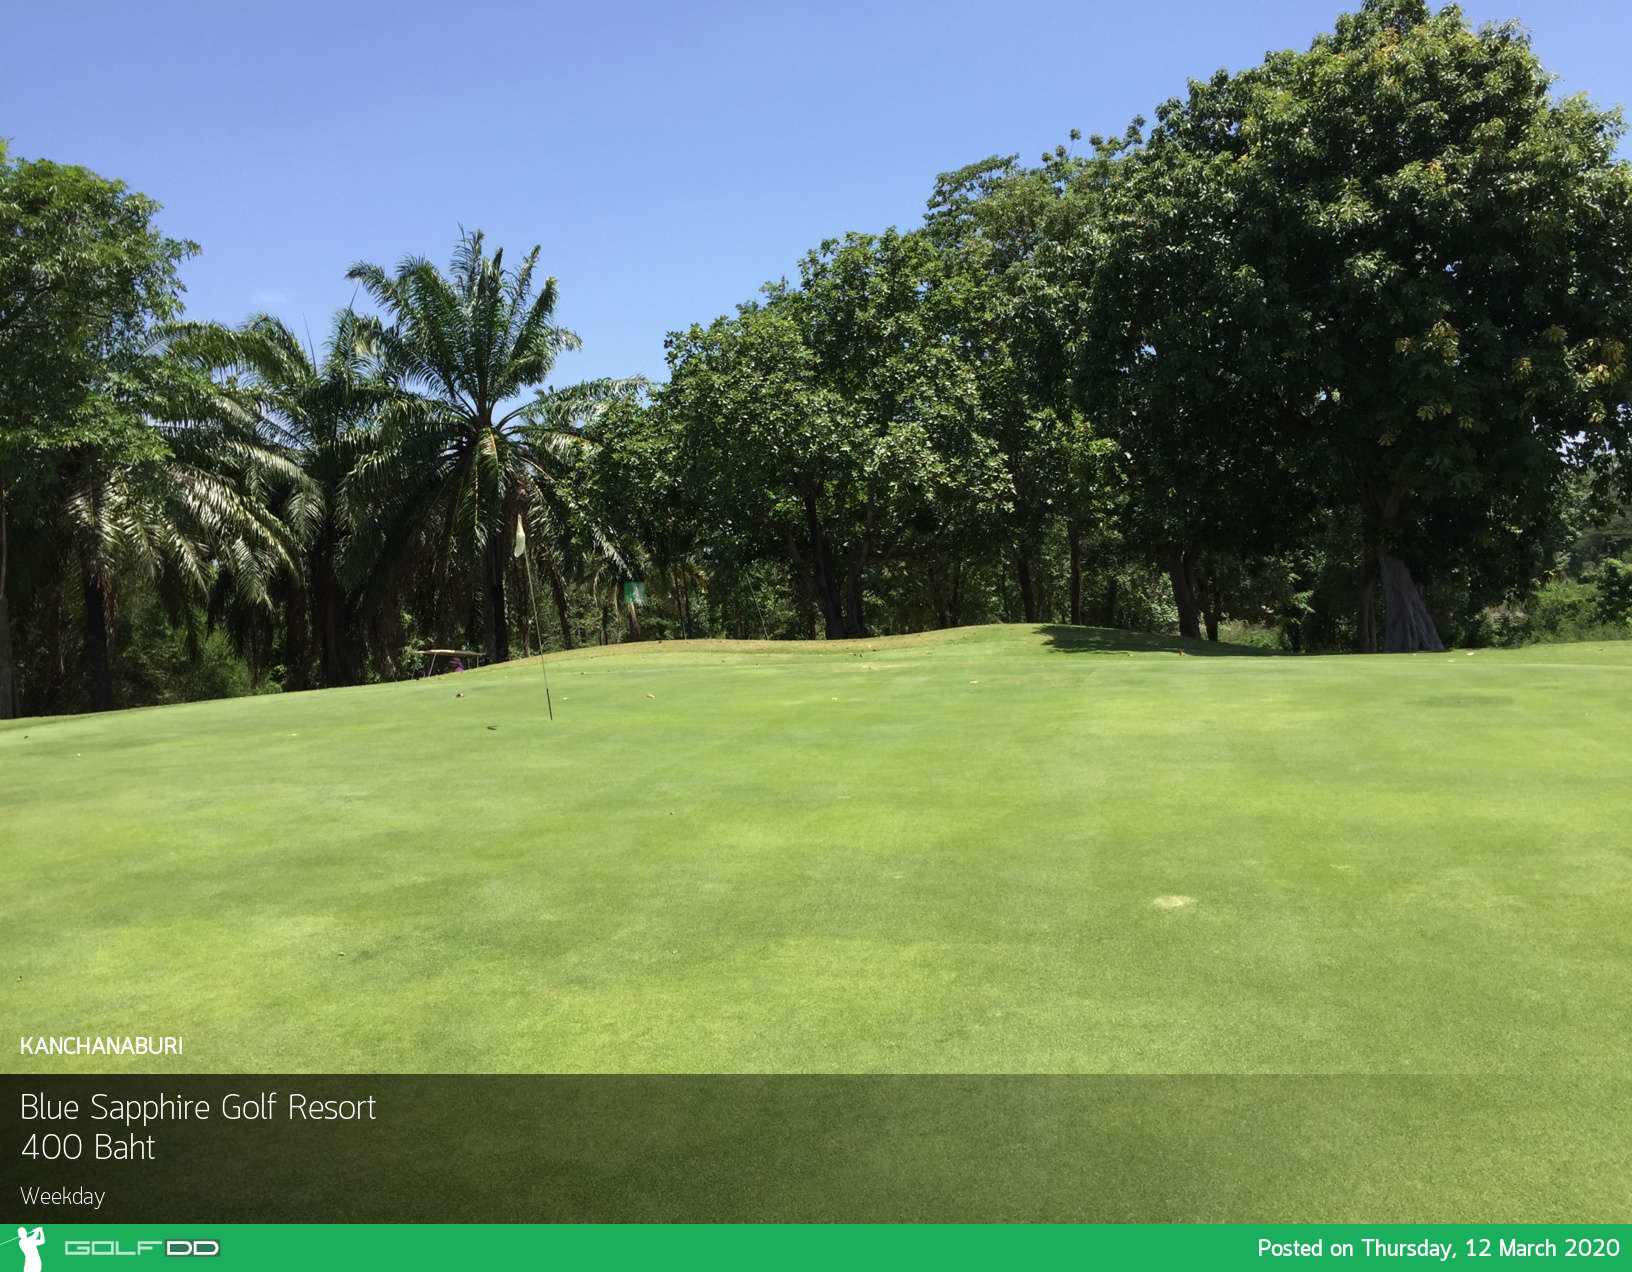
853	1247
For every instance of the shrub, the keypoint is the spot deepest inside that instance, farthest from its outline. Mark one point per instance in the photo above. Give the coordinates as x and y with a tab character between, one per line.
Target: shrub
1613	579
1565	610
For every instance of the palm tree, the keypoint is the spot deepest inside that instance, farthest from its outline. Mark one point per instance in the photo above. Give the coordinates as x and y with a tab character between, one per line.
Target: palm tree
188	502
463	451
320	413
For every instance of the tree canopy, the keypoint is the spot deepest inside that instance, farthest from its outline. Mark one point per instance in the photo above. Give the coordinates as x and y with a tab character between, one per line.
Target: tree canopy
1334	350
1400	264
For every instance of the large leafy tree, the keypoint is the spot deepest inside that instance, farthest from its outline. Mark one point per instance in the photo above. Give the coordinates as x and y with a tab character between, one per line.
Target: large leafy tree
1180	356
638	489
759	441
1015	315
86	278
871	311
833	424
471	440
1443	251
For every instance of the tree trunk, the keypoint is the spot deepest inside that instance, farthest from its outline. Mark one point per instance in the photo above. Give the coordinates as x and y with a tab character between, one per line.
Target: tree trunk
331	626
60	682
96	638
1181	571
8	696
1028	595
855	622
1366	626
1408	627
498	617
296	630
325	620
1212	606
804	599
799	588
558	592
1075	537
832	602
821	573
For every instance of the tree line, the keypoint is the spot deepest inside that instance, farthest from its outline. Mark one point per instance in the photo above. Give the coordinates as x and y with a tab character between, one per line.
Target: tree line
1335	348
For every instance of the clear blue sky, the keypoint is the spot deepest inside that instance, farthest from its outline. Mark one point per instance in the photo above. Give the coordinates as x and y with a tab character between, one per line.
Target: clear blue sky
669	158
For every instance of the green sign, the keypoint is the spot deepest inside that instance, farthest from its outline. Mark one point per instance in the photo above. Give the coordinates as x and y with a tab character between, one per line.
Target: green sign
634	593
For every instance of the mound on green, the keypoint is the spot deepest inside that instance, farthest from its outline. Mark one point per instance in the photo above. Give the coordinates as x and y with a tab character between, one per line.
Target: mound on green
995	850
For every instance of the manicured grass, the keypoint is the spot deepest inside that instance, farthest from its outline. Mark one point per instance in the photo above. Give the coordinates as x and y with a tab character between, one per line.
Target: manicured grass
996	850
930	854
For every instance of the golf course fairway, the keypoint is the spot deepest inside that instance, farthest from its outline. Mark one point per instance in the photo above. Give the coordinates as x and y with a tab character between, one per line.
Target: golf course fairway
1001	849
1400	885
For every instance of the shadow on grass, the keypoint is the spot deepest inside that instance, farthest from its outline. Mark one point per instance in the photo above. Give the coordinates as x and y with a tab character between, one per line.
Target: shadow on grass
1112	640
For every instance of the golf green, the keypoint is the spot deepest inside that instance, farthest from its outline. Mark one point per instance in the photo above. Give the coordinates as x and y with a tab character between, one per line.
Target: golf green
1001	849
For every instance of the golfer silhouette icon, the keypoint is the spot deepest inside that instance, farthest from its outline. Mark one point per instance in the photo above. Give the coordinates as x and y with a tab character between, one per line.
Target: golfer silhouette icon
30	1243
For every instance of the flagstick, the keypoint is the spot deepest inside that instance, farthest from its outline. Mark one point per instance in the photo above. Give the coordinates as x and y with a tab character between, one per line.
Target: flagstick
532	595
532	592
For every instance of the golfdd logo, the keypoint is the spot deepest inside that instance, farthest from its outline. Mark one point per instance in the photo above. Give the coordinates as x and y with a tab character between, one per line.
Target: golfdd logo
171	1246
30	1243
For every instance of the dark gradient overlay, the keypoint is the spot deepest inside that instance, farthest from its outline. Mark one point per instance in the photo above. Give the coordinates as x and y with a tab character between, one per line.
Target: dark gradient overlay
474	1149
